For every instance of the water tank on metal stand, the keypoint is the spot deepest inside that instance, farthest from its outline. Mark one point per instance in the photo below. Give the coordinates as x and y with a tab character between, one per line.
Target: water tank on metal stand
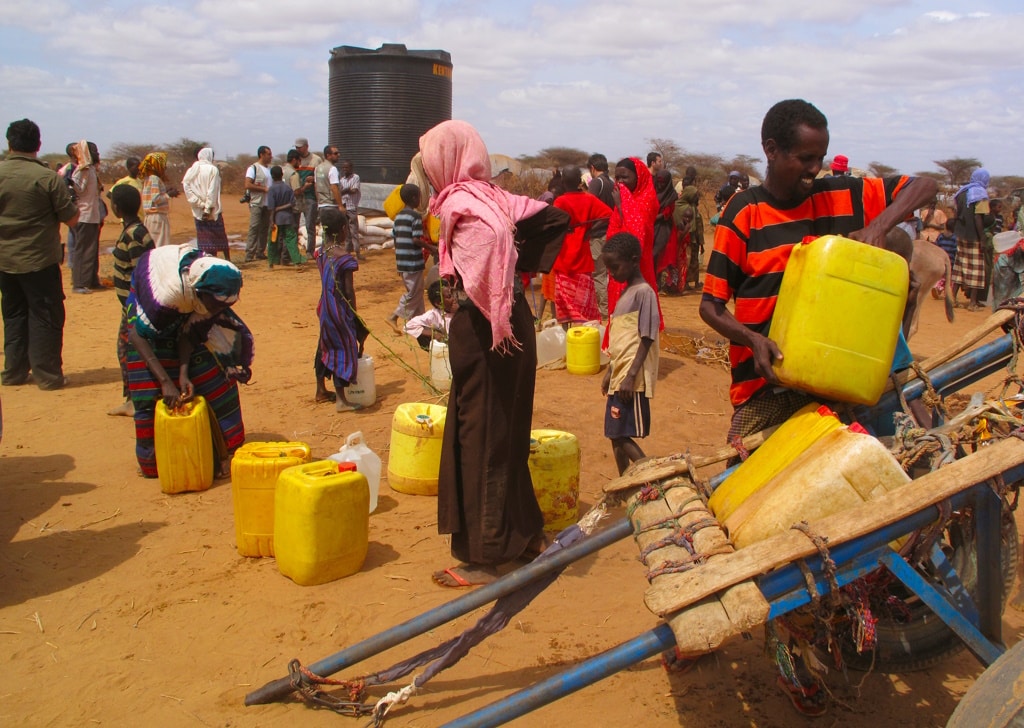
380	104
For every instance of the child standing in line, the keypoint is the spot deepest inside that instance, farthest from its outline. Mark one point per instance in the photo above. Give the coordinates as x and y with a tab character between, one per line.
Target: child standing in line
131	244
342	333
433	325
633	349
409	245
281	201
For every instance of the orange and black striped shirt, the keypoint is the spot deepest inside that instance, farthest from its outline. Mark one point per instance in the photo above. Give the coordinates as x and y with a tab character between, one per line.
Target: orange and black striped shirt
754	238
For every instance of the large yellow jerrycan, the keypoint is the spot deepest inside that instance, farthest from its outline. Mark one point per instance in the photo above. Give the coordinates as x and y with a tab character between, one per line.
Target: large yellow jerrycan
414	457
795	435
183	440
837	318
255	468
321	521
555	470
843	469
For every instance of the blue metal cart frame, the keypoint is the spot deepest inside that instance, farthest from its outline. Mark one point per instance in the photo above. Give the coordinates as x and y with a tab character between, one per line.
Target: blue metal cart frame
785	588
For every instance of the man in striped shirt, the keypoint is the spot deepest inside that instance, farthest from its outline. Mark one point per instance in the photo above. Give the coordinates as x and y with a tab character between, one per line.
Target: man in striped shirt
756	233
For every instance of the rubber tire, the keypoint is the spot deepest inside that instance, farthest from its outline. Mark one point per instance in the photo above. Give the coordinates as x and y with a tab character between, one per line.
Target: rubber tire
925	640
996	699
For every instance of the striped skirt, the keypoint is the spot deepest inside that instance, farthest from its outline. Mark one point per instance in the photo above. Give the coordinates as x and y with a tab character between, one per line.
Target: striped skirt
211	237
208	379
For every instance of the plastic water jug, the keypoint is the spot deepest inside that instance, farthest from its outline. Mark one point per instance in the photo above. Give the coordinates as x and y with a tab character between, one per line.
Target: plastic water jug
414	459
550	343
440	366
838	317
321	522
583	350
794	436
366	461
841	470
184	446
255	468
555	470
364	390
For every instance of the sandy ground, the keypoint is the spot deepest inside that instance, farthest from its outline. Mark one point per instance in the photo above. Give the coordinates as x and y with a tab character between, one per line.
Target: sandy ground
121	605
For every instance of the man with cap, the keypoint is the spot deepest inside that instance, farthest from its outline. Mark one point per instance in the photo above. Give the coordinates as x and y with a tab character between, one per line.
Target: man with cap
305	194
727	190
841	166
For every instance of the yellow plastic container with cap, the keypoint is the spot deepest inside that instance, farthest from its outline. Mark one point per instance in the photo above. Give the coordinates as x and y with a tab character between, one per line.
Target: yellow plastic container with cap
555	470
583	350
843	469
781	448
183	441
415	454
255	468
837	318
321	521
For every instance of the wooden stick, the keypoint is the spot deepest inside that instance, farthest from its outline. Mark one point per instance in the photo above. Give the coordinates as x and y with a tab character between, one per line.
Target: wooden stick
680	590
666	467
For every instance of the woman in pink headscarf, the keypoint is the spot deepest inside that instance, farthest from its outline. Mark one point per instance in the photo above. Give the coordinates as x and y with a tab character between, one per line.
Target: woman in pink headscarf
485	494
635	211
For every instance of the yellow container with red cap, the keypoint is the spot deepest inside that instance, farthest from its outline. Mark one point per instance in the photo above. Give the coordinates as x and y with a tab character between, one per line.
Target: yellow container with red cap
837	318
321	521
842	469
255	468
795	435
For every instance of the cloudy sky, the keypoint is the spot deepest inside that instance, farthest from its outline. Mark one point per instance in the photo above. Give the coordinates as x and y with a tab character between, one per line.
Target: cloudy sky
903	82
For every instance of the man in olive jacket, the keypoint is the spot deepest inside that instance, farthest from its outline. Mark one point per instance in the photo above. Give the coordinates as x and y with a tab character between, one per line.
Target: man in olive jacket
34	201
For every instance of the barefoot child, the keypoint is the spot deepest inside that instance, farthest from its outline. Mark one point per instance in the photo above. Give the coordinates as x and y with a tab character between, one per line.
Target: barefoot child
342	333
409	245
434	323
134	240
633	349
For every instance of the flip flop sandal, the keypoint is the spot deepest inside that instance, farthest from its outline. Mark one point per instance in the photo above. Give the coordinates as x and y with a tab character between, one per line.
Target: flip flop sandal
460	582
809	701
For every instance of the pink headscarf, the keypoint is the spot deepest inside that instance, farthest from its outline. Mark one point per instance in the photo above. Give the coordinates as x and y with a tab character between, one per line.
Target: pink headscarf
477	222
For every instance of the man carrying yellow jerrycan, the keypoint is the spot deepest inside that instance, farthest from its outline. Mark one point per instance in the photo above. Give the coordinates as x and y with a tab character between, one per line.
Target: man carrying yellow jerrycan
821	291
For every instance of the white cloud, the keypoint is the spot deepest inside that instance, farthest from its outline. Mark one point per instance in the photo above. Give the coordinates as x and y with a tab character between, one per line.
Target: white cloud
600	74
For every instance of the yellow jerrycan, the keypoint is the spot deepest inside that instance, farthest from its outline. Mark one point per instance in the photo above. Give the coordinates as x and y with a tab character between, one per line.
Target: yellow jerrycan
321	521
414	459
555	469
183	440
837	318
255	468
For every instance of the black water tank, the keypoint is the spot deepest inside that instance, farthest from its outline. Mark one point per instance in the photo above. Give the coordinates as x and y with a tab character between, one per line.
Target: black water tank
380	103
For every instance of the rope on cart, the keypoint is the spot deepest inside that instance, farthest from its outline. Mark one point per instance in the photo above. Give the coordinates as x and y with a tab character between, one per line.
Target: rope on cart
930	398
703	484
305	683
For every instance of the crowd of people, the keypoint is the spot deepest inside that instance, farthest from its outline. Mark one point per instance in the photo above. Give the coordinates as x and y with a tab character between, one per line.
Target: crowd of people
608	242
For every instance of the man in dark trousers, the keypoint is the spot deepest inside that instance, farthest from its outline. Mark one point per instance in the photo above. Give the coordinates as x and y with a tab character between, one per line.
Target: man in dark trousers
34	201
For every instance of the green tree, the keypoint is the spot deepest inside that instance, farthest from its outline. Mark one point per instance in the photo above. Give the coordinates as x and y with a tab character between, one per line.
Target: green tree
959	169
556	157
882	170
123	150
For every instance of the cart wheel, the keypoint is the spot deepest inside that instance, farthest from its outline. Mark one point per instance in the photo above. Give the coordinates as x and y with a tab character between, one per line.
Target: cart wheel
917	639
995	700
